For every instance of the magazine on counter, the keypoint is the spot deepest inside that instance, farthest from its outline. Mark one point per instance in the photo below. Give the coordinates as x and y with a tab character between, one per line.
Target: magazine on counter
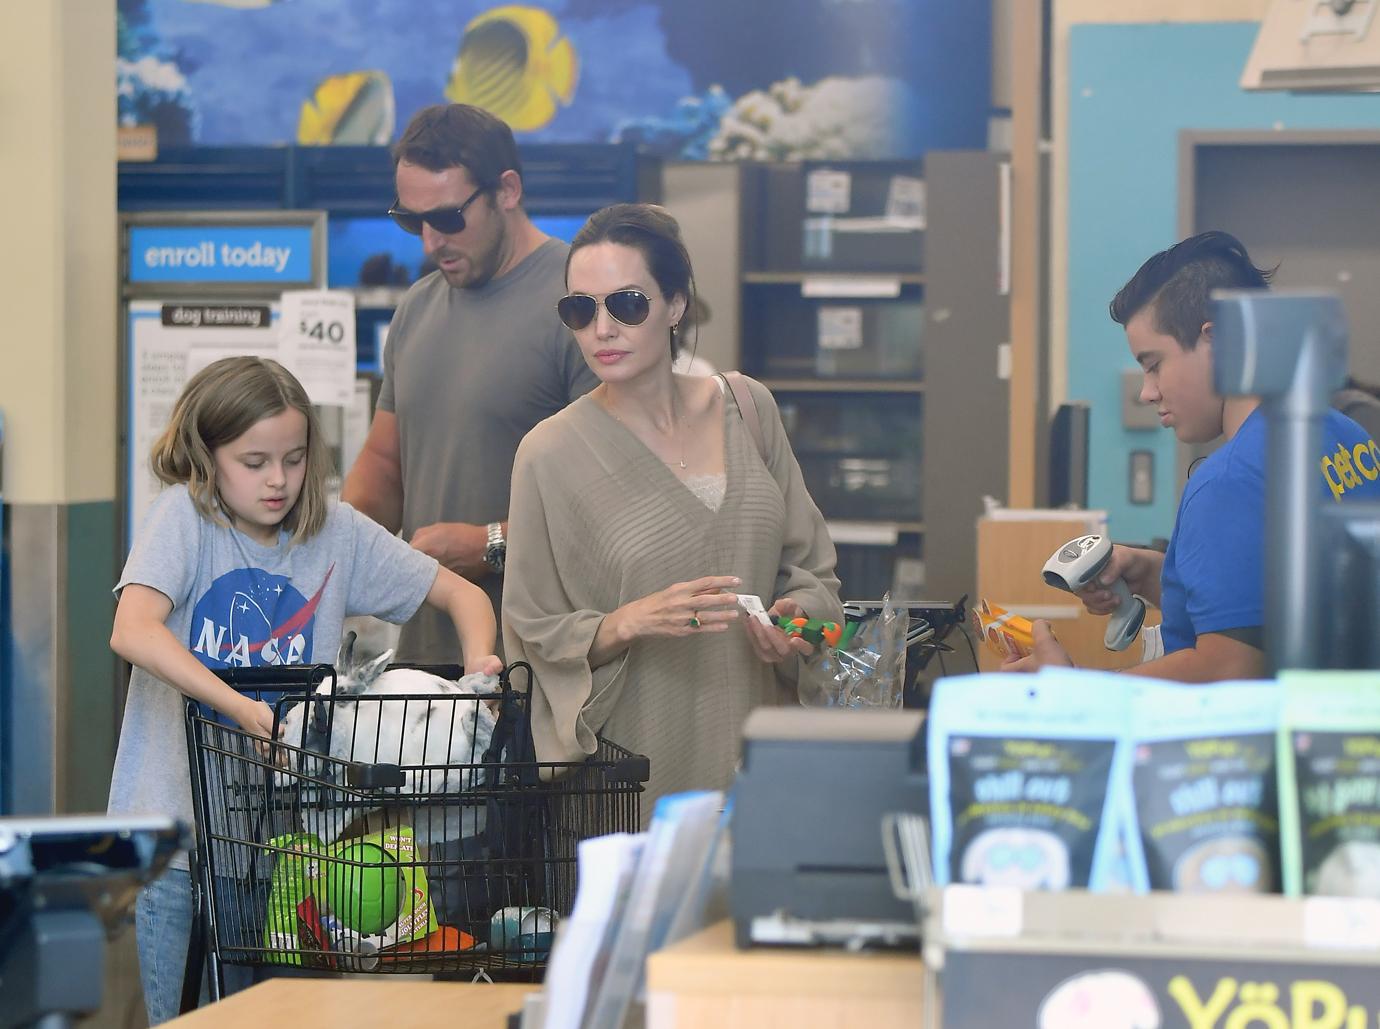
635	894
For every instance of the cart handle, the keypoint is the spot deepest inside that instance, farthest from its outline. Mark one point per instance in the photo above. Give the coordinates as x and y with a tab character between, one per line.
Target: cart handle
276	677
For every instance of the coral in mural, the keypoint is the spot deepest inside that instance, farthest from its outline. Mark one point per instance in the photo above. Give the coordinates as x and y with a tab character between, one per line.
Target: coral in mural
685	133
834	118
150	88
153	91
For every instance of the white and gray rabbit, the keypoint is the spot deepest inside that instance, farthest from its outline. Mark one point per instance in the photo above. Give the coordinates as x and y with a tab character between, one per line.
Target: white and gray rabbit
437	738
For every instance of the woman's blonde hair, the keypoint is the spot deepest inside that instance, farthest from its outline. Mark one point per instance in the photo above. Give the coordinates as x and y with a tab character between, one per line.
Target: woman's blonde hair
220	404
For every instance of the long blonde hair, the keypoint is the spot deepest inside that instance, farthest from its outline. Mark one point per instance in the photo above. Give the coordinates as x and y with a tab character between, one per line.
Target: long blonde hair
220	404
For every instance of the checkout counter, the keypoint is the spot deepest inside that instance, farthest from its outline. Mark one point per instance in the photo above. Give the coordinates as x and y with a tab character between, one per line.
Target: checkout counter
701	981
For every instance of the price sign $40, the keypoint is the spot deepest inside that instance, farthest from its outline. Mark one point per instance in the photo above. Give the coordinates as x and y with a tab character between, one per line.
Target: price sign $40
322	330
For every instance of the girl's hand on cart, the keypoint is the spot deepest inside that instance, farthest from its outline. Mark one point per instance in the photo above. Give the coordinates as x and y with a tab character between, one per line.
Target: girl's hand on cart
771	644
256	718
490	664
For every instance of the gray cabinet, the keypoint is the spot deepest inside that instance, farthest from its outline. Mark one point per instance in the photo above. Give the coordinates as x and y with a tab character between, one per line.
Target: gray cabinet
967	400
901	430
833	322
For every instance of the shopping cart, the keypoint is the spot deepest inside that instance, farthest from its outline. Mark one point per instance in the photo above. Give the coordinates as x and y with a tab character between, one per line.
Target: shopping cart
398	832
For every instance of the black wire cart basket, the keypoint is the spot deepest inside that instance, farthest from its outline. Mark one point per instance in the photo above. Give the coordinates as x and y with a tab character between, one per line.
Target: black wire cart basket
405	830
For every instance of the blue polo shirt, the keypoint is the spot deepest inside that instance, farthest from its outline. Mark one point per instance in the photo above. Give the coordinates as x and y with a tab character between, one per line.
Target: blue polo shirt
1214	569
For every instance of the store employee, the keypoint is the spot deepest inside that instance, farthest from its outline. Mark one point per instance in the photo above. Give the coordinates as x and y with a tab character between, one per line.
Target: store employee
1210	583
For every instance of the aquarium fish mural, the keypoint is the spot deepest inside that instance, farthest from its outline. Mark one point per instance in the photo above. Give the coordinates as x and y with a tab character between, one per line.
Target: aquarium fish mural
356	107
243	5
514	63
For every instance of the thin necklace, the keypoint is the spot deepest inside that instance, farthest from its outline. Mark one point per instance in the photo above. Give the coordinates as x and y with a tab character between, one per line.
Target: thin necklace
675	422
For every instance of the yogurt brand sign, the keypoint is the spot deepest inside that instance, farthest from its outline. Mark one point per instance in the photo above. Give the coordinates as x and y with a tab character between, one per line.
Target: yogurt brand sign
220	253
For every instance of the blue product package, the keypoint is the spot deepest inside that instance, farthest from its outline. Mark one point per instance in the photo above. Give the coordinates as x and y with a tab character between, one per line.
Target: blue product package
1029	780
1204	787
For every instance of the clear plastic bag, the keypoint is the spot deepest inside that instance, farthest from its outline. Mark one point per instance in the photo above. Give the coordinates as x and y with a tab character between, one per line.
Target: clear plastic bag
868	671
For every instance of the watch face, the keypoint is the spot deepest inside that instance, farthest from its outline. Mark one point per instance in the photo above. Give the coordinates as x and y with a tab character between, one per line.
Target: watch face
494	555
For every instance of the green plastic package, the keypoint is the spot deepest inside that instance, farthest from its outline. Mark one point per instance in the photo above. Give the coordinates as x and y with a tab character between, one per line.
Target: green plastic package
296	876
369	888
1329	783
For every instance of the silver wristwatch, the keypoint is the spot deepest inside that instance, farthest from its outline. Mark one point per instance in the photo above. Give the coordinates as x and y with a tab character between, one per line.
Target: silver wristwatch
496	550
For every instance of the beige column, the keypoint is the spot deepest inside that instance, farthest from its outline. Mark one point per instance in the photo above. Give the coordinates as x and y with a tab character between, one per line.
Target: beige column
58	375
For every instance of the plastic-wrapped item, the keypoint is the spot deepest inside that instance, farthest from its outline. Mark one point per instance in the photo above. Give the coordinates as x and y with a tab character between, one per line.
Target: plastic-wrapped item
1203	778
1007	634
867	670
1329	783
1028	780
368	893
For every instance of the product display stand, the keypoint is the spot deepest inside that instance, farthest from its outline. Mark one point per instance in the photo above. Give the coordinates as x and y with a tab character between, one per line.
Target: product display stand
1168	959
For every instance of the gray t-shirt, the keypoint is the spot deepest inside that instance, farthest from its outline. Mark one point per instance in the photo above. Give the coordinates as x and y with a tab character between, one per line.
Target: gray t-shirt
237	603
468	372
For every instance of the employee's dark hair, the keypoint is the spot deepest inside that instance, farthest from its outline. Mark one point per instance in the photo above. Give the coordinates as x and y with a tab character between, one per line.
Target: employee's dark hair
1177	284
651	230
459	136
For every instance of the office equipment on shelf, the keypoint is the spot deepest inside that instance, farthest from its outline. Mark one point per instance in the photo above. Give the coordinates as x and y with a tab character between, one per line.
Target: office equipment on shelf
65	885
808	863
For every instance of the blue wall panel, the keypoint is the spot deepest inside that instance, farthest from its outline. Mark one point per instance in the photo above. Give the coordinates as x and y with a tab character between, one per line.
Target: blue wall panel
1132	89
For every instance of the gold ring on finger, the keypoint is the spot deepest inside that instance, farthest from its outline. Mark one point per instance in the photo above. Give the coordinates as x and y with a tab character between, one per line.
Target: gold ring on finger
694	620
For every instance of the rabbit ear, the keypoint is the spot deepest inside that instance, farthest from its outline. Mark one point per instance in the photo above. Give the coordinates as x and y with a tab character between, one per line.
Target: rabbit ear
345	658
371	670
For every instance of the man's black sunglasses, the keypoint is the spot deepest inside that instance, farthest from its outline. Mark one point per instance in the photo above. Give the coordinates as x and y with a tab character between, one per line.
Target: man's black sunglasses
629	306
446	220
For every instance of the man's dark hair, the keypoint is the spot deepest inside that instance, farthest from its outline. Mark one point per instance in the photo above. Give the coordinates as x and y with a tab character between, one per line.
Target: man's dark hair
459	136
1177	284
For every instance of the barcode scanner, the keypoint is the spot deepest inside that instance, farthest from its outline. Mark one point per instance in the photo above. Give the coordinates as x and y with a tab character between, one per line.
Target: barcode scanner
1075	567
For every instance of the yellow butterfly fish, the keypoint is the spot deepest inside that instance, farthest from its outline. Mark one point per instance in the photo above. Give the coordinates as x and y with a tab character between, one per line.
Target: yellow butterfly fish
514	63
356	107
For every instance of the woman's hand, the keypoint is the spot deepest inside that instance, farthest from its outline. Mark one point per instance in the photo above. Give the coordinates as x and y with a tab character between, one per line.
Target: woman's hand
685	609
771	644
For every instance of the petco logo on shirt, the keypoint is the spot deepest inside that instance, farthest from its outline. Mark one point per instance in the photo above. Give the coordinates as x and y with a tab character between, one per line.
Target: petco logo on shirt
1341	468
250	618
220	253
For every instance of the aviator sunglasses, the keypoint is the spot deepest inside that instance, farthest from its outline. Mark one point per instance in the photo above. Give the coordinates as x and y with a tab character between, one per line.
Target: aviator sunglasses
446	220
628	306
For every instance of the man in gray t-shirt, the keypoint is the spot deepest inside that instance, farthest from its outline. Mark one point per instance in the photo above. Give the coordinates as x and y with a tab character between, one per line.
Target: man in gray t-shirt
476	356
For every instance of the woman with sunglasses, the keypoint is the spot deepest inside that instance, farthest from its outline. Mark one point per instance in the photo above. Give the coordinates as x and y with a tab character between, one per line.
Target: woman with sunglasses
639	513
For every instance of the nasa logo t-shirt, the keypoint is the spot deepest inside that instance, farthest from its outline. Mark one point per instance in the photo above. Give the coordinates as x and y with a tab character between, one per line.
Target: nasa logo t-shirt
239	604
251	617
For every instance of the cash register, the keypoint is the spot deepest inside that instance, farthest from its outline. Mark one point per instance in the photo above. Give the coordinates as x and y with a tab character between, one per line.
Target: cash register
808	862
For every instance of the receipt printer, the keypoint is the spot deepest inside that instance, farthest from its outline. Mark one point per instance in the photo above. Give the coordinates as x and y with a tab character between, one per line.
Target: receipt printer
808	864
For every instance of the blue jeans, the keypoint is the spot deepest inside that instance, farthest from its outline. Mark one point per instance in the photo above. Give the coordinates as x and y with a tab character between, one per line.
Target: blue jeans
163	929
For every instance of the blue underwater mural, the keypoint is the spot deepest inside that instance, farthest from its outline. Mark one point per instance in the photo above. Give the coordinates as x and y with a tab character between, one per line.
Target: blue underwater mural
716	79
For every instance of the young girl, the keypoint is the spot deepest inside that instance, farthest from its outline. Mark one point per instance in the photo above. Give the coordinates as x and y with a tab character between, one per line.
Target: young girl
243	561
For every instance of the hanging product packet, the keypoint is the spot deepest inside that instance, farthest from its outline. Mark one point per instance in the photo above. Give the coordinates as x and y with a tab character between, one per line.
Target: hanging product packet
1029	780
1203	786
1329	783
366	890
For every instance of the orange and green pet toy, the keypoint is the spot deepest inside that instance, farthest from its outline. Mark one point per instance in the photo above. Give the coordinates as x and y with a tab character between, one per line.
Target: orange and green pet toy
816	631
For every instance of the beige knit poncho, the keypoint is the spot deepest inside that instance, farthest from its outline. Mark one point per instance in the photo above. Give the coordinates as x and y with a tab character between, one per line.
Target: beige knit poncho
596	521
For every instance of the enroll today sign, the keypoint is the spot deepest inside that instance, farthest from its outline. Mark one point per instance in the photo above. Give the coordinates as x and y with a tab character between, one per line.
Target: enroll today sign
220	253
